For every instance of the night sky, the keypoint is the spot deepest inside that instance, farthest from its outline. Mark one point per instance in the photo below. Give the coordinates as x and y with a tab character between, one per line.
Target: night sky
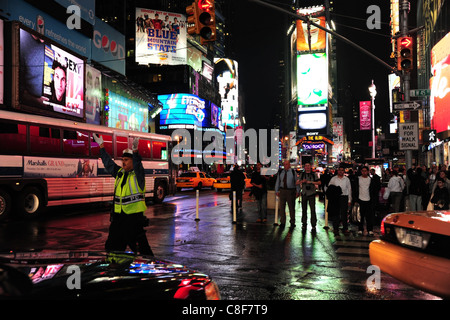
260	51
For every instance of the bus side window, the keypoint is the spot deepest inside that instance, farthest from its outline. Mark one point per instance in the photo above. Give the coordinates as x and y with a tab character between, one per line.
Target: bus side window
121	144
75	143
145	149
13	138
107	143
159	150
44	140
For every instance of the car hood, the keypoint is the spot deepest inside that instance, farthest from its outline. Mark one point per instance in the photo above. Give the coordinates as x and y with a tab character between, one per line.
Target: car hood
437	221
97	275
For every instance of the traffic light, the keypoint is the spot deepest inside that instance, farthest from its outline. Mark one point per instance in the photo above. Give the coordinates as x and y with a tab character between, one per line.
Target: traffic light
404	53
207	20
192	20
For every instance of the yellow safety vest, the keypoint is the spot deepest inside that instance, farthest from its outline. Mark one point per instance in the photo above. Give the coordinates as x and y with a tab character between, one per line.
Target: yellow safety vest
129	198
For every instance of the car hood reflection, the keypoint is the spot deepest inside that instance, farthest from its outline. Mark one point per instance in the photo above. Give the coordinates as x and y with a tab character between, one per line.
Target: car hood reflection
99	275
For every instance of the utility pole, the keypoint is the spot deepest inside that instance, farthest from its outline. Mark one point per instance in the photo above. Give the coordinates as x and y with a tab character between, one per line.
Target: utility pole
405	76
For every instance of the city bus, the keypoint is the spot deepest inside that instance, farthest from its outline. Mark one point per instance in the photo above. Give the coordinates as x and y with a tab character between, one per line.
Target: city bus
51	162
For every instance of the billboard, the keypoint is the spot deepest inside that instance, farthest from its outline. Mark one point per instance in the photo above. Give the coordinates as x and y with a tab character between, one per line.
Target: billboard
228	80
160	37
440	85
93	95
108	46
127	114
188	111
312	123
50	78
312	80
2	57
318	36
365	115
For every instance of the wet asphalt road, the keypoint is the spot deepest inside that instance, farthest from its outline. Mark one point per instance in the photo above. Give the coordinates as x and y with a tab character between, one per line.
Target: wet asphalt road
247	259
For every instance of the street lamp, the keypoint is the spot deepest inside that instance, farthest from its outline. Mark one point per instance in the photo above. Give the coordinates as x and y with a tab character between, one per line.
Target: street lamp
373	93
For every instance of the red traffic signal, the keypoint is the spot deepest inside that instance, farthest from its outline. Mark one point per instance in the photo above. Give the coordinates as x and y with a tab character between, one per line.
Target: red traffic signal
207	20
405	53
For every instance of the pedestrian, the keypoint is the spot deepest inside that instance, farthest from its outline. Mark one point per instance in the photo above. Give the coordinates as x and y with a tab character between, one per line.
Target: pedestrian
309	182
287	190
345	200
442	174
363	193
417	189
441	198
259	189
396	186
128	212
376	180
237	180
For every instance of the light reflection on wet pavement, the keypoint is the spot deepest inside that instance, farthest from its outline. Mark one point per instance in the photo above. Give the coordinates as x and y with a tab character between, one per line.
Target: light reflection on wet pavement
247	259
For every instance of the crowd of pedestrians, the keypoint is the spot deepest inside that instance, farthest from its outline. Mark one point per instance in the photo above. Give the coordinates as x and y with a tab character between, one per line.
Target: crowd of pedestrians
415	189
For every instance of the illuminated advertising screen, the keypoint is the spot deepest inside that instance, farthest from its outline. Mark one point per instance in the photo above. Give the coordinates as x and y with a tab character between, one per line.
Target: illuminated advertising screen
440	85
1	61
188	111
160	37
50	78
312	123
318	36
127	114
365	115
93	95
228	80
312	80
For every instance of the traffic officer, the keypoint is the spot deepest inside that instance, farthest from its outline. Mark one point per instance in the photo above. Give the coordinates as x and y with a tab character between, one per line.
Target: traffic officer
127	216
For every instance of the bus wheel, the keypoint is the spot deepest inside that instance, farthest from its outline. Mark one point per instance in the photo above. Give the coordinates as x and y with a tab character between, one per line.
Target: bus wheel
159	193
5	204
29	202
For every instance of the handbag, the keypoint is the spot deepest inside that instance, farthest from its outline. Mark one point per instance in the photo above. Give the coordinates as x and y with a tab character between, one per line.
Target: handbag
356	212
386	193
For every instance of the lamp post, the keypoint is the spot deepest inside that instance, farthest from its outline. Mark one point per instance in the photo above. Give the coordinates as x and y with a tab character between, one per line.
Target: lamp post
373	93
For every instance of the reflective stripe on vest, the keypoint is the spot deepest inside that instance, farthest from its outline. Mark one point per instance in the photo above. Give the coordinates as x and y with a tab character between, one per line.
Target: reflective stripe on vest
129	198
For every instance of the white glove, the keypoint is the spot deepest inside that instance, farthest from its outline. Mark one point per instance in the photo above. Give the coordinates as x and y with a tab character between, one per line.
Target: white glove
98	139
135	144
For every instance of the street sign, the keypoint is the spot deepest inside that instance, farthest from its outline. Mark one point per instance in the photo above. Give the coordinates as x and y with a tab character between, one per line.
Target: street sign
408	136
419	92
407	105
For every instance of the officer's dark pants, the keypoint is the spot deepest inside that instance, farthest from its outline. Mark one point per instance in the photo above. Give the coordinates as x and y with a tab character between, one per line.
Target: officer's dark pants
127	230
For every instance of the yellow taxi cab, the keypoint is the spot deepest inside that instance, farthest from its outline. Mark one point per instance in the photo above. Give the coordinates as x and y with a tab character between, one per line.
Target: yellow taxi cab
196	180
223	182
414	248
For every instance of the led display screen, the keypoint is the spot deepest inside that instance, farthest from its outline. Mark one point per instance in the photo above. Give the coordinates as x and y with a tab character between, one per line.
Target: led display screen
188	111
127	114
50	78
440	85
228	80
312	80
312	123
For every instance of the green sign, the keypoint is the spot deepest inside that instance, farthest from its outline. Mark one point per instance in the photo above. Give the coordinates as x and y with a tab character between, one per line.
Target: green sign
419	92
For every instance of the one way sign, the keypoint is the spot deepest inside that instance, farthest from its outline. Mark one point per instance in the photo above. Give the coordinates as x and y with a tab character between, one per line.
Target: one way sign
407	105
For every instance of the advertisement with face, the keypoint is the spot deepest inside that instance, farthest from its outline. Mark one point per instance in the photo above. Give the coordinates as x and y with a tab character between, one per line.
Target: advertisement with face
51	79
93	94
312	80
160	37
318	38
